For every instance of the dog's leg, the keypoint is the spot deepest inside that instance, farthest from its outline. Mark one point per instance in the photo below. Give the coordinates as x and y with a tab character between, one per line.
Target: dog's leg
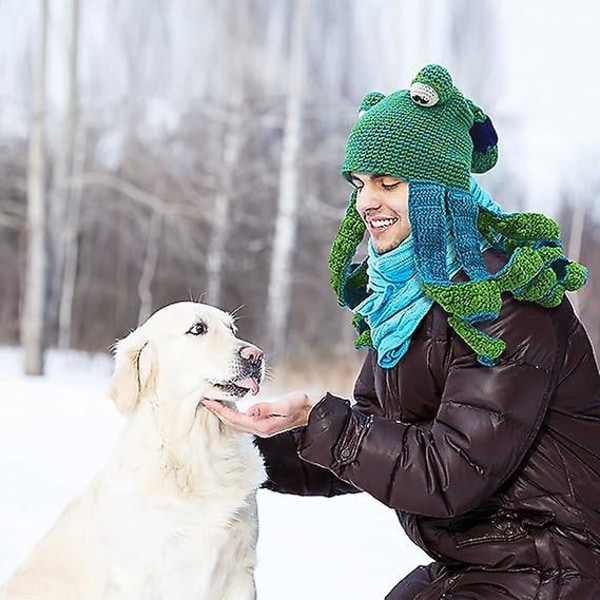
241	585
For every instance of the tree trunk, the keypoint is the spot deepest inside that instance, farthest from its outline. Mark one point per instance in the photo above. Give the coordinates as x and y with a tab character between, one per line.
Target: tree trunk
149	268
66	199
233	30
33	315
71	257
280	276
223	207
60	213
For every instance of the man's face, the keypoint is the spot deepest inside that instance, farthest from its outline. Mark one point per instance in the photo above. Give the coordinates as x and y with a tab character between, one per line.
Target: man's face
382	202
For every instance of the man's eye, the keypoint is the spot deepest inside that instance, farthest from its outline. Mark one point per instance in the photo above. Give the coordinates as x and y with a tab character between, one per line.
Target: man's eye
198	328
390	186
355	183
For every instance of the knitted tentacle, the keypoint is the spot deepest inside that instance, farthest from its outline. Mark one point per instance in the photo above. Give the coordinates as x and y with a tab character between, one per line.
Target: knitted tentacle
347	280
531	274
487	348
576	276
466	298
364	339
429	226
557	275
464	213
466	302
508	231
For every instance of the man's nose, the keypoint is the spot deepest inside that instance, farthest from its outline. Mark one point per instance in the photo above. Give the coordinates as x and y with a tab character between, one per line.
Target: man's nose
367	199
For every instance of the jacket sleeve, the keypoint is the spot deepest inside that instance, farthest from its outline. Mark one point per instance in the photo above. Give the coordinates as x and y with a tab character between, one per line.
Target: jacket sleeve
487	419
288	473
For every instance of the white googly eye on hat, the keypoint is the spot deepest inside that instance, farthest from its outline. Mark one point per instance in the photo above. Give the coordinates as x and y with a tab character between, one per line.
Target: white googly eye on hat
423	94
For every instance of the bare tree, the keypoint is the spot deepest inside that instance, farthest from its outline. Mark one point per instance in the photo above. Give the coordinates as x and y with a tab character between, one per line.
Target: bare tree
280	276
67	199
222	210
33	315
149	267
232	31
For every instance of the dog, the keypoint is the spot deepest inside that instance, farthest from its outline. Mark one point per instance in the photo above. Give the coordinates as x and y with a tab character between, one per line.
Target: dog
173	514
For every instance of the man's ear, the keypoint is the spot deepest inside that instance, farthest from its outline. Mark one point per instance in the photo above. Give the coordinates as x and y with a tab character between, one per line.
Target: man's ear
133	370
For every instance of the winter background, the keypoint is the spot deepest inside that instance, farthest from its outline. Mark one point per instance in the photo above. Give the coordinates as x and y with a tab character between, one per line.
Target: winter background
174	96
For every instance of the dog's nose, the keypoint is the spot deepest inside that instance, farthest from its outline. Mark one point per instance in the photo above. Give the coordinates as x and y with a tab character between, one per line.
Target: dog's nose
251	353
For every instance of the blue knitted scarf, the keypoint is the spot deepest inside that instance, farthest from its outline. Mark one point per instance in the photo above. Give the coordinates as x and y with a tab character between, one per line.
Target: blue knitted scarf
397	303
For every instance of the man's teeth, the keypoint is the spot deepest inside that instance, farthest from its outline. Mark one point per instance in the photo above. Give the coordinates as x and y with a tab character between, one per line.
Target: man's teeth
382	222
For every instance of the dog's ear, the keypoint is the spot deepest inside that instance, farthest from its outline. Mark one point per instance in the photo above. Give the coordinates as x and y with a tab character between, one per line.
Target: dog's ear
133	369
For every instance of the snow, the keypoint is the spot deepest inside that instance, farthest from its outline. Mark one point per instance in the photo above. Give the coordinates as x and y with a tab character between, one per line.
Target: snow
56	432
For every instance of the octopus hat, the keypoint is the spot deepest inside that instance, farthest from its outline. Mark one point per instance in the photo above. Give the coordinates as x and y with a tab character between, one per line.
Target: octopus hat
434	138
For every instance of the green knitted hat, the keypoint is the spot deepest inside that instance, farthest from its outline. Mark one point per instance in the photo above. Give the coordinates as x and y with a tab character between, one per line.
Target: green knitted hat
434	138
430	132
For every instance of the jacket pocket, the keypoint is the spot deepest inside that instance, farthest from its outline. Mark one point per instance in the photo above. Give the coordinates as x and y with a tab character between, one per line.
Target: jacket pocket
501	526
499	532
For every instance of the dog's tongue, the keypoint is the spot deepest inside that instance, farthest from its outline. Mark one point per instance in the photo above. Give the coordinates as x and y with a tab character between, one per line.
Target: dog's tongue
249	383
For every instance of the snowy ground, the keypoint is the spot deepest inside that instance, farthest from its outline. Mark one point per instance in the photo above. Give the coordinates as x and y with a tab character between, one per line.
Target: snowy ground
56	433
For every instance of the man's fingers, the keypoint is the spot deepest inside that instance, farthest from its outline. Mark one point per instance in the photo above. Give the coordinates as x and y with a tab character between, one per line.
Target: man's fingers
226	414
261	419
217	407
245	421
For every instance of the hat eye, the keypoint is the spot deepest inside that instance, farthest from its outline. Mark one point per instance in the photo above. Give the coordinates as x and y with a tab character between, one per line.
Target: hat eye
423	94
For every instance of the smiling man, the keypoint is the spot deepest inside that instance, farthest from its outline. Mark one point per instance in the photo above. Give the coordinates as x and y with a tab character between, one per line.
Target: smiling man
476	414
382	202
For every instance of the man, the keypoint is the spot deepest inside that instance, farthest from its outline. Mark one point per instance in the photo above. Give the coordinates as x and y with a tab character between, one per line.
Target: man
477	409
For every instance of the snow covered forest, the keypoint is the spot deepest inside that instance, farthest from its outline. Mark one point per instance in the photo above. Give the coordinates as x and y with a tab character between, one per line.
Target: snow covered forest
157	150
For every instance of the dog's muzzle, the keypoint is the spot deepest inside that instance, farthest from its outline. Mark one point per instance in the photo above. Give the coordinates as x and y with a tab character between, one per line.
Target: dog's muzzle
251	369
248	372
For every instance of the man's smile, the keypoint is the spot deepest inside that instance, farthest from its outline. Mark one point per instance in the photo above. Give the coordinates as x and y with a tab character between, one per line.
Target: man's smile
381	223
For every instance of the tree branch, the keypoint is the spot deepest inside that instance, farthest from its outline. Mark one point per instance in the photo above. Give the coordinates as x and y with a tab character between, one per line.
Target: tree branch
137	195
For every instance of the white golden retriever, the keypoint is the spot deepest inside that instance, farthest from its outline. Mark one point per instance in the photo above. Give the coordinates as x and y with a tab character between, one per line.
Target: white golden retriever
173	514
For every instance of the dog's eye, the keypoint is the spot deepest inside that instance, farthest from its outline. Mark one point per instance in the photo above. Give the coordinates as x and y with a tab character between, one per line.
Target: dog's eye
198	328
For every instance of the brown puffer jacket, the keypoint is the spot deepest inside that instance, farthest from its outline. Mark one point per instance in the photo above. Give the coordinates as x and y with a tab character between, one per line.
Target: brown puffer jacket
494	472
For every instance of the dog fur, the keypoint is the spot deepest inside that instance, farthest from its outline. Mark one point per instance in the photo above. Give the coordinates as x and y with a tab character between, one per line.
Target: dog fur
173	514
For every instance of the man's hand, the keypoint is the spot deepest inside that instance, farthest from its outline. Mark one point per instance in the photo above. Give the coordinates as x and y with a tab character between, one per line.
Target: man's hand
266	419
